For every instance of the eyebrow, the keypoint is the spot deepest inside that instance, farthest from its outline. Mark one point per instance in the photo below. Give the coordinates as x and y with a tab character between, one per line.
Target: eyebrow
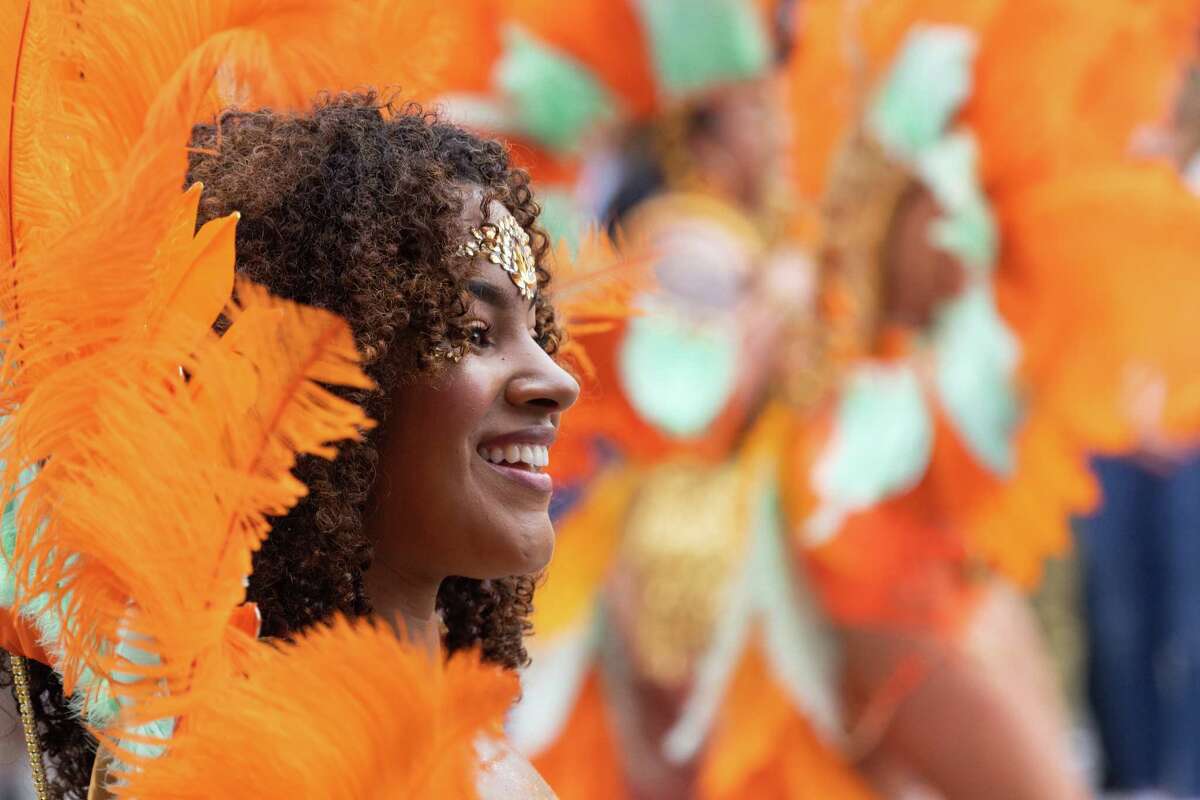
487	293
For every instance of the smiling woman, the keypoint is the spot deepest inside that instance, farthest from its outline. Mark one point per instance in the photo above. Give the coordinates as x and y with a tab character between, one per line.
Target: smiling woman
363	209
424	239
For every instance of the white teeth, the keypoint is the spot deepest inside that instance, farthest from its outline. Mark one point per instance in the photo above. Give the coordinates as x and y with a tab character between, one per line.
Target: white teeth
535	455
492	454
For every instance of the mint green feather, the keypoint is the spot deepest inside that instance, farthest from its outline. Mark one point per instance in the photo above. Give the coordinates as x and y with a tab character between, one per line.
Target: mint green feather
881	441
949	168
929	80
880	445
677	375
798	643
974	352
553	98
697	44
976	355
765	592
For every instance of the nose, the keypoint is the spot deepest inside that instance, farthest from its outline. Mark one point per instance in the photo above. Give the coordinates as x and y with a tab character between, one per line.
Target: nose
542	384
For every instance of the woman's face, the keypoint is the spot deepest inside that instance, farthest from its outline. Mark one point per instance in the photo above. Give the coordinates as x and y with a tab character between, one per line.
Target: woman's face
462	488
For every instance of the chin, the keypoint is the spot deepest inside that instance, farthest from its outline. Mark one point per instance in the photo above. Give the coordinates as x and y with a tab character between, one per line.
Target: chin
526	549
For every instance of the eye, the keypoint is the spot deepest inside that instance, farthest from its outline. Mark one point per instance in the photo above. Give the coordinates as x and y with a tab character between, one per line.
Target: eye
479	334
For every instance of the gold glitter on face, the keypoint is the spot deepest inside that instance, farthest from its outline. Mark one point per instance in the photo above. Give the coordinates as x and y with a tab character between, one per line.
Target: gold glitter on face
506	244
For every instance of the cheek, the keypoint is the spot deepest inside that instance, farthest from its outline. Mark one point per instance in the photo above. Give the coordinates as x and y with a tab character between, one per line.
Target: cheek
489	529
451	515
452	412
427	454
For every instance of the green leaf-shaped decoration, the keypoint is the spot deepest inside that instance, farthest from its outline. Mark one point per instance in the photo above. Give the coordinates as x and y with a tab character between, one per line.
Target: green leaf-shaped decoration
701	43
553	98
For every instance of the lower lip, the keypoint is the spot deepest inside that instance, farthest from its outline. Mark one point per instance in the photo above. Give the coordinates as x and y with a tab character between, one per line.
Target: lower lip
538	481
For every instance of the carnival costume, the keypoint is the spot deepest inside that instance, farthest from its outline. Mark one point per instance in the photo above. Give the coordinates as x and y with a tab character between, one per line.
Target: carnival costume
966	445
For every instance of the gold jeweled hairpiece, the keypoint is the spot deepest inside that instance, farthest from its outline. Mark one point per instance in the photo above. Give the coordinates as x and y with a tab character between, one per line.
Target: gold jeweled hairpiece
506	244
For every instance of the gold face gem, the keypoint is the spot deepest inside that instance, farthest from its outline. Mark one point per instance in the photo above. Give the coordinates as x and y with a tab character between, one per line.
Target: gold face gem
506	244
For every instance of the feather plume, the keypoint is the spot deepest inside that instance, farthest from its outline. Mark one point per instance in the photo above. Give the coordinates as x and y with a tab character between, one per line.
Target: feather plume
270	734
148	486
599	282
593	292
1125	274
605	36
443	44
595	289
161	490
14	28
121	96
30	69
113	104
100	116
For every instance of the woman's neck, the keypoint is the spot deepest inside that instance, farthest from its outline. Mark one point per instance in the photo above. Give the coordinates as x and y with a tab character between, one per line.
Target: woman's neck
406	603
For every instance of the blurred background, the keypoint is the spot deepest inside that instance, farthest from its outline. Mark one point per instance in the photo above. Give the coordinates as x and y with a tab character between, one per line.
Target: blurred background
887	488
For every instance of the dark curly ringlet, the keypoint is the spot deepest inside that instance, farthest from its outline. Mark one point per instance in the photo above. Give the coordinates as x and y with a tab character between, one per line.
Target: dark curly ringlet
354	207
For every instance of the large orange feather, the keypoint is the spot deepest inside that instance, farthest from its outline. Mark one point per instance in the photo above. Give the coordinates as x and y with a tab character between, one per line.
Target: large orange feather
156	489
605	36
347	713
163	489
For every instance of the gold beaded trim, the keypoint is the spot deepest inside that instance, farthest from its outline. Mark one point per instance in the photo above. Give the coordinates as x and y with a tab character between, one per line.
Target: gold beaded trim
29	725
506	244
681	541
865	189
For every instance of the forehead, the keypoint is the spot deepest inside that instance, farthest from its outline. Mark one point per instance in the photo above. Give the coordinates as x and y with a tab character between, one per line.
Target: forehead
472	215
488	281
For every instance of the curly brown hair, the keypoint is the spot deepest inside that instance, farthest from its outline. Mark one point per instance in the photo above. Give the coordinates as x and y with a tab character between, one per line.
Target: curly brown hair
354	207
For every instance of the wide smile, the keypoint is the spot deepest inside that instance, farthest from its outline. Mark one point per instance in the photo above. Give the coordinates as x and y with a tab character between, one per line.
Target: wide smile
522	463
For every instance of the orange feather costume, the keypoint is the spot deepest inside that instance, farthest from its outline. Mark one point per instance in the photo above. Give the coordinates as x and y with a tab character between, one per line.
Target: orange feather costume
1092	260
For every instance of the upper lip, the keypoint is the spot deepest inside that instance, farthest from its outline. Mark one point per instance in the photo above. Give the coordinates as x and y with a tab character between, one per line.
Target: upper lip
542	434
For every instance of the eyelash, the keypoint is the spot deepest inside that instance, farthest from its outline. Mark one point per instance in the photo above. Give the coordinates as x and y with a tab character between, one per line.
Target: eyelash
477	334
